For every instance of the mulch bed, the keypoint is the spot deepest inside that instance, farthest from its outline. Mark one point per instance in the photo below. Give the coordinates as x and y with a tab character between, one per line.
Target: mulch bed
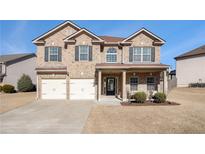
149	103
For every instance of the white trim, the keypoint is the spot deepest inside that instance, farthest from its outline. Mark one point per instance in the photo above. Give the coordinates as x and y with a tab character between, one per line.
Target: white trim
143	29
61	25
83	30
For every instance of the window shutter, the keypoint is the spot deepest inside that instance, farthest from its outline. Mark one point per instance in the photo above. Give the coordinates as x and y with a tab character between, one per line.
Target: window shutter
153	54
131	54
90	53
76	53
46	54
59	54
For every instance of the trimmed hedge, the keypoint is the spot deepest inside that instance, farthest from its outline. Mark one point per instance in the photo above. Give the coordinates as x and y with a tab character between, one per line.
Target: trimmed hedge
198	85
0	88
160	97
7	88
25	84
140	97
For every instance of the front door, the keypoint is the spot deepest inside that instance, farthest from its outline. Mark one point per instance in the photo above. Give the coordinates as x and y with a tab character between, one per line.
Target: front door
110	84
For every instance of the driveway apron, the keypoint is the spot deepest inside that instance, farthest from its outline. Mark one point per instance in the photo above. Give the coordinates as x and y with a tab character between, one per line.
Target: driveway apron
46	117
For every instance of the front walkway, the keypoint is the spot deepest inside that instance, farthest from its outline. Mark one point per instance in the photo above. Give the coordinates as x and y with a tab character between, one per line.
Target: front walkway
47	117
109	100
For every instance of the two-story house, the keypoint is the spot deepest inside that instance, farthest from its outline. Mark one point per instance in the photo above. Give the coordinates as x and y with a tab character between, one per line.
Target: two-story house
74	63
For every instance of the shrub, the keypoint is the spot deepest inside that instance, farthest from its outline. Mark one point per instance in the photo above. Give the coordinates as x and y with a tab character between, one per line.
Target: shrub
0	88
159	97
140	97
25	83
194	85
7	88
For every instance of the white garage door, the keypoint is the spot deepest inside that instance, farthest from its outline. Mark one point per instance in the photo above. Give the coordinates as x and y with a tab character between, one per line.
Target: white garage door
82	89
53	89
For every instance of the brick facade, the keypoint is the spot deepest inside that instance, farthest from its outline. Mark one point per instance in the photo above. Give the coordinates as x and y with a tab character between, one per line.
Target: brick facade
86	69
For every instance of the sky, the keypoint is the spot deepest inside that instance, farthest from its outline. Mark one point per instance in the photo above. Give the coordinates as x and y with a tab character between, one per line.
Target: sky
180	36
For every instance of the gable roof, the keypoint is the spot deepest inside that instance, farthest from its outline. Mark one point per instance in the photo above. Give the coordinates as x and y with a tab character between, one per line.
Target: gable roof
80	31
111	38
11	57
54	29
192	53
146	31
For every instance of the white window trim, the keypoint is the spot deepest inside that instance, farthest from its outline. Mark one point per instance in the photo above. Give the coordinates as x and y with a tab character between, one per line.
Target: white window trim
80	52
49	54
141	55
111	54
137	83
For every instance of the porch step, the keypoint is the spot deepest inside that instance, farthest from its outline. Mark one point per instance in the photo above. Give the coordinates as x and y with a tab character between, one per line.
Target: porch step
110	101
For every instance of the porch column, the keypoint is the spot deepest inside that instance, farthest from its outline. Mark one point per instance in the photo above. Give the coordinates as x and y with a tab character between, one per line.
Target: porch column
165	83
99	85
124	88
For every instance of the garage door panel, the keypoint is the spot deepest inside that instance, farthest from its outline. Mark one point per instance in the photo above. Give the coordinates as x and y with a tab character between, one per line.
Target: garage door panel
53	89
82	89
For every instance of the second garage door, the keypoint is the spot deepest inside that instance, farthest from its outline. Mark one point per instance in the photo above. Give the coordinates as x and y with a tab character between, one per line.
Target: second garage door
82	89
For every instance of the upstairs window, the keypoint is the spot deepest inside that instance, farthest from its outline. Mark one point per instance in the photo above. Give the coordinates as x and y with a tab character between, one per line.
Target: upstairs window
147	54
137	53
53	54
83	53
142	54
111	56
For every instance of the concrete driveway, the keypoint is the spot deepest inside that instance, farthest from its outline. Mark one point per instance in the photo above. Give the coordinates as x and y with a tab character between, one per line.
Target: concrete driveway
46	117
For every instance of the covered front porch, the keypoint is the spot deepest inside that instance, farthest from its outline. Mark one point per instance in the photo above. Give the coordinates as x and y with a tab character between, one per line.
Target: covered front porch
122	80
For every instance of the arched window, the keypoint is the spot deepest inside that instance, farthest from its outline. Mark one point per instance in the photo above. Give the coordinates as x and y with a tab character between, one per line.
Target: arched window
111	56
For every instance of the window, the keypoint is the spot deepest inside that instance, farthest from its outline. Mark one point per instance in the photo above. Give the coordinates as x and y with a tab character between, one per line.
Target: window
147	54
142	54
111	56
137	54
83	52
151	84
52	54
133	84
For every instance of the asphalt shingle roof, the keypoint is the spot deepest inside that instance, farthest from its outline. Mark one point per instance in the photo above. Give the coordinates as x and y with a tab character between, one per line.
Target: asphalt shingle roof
11	57
195	52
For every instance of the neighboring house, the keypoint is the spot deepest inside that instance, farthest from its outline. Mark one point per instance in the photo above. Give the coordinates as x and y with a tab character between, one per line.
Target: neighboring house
74	63
13	66
190	67
172	74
